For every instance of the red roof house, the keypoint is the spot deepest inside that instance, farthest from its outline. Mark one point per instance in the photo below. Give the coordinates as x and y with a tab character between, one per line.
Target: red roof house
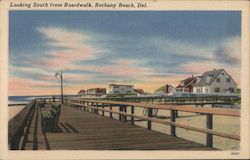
186	85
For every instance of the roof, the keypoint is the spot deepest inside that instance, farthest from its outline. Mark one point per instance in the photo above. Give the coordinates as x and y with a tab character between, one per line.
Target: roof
139	91
186	82
120	85
212	74
81	91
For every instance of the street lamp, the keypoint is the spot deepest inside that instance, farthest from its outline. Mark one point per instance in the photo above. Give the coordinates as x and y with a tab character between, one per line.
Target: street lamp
60	75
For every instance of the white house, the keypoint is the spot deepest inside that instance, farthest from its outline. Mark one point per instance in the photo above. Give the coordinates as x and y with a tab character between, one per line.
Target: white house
215	81
120	89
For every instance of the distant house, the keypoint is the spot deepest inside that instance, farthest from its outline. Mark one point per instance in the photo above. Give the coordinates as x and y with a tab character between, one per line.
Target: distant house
186	85
215	81
139	92
120	89
169	89
82	91
96	91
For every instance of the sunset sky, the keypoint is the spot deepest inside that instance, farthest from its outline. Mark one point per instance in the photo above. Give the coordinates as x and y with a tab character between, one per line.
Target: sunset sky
95	48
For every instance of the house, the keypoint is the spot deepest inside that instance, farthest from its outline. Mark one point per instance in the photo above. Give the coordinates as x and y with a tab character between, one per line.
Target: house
139	92
186	85
96	91
215	81
120	89
82	91
169	89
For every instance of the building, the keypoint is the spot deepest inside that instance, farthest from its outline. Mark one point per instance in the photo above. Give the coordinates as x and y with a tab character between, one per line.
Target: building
120	89
96	91
186	85
166	89
169	89
82	91
215	81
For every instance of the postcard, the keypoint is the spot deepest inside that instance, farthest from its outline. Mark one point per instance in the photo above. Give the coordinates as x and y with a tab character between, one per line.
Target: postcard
124	79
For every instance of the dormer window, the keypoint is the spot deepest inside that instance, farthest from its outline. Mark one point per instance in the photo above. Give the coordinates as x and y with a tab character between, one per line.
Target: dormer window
208	78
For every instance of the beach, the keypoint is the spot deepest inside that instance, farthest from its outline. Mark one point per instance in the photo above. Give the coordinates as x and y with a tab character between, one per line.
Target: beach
14	110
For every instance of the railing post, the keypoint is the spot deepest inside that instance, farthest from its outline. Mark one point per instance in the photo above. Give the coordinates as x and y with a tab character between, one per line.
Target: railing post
132	112
209	126
125	110
96	110
120	116
149	115
91	104
102	108
110	113
173	116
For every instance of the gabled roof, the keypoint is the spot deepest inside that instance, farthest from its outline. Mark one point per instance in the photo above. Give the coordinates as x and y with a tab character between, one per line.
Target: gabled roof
186	82
139	91
212	74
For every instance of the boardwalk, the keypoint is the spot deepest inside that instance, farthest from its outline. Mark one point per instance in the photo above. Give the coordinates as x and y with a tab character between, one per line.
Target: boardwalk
81	130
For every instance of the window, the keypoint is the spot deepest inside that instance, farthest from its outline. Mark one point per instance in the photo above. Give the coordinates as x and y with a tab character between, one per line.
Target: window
231	89
223	73
218	80
208	79
228	80
216	90
206	90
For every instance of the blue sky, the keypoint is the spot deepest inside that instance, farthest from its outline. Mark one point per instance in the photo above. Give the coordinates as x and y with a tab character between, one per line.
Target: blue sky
95	48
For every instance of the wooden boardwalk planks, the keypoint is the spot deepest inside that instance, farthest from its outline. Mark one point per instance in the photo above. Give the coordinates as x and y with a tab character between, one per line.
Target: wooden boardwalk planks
81	130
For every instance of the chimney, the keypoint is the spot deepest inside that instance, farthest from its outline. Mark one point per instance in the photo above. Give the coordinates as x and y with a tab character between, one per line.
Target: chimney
167	89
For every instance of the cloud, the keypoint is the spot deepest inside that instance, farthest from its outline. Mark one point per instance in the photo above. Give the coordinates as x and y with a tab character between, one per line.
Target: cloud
66	47
25	86
59	37
181	48
229	52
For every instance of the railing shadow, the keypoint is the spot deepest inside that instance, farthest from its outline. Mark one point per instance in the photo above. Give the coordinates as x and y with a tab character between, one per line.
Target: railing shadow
66	127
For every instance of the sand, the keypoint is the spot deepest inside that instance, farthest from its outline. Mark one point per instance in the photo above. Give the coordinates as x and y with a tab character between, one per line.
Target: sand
13	110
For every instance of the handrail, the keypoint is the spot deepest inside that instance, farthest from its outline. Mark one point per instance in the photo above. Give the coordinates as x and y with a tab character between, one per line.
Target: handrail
96	105
214	111
17	124
167	122
206	99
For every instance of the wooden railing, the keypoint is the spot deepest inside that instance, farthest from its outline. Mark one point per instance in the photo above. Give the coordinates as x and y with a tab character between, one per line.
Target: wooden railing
198	100
18	126
106	106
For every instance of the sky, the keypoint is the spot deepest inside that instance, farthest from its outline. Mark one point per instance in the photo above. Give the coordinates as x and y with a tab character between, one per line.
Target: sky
95	48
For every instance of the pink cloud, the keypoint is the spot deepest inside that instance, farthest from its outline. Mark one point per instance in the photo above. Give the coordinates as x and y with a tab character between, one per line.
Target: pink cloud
21	86
74	48
120	67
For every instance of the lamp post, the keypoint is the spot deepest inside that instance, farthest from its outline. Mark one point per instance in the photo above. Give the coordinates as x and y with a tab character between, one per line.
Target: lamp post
60	75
